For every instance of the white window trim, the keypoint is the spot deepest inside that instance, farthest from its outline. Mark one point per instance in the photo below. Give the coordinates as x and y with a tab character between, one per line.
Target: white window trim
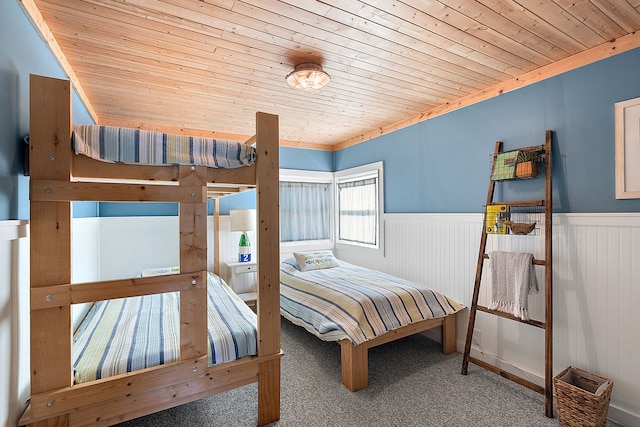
353	174
296	175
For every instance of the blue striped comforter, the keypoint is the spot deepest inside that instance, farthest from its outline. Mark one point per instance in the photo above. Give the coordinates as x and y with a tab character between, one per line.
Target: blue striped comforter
354	302
135	146
128	334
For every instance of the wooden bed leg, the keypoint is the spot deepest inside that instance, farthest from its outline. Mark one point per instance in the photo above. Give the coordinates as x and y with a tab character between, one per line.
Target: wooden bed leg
355	365
449	334
269	392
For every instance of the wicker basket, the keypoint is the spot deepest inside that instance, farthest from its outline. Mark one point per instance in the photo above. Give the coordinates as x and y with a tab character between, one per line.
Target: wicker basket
582	398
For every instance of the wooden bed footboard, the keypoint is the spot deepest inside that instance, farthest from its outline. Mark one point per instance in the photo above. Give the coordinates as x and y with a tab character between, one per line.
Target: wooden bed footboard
355	359
128	396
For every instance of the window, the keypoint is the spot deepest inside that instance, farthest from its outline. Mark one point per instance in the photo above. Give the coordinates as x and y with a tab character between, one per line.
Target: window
305	206
358	205
309	207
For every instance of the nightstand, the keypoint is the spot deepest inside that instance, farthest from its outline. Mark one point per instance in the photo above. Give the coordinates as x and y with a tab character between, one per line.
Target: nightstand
236	275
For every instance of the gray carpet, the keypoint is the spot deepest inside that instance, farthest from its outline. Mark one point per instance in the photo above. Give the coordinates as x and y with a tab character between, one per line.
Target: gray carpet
411	383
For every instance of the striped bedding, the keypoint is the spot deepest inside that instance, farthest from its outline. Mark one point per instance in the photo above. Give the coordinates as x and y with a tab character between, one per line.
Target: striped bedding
128	334
354	302
135	146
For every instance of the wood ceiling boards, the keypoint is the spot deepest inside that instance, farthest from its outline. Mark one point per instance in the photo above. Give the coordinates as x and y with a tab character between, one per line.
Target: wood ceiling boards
211	64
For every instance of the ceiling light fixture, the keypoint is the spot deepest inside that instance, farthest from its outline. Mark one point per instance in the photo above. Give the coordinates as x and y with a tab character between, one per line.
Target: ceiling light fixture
308	76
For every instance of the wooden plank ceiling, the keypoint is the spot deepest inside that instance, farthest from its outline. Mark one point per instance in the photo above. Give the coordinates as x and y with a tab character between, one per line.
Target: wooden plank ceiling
211	64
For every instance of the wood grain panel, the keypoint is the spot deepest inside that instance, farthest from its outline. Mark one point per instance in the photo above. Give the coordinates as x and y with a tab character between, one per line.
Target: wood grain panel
209	65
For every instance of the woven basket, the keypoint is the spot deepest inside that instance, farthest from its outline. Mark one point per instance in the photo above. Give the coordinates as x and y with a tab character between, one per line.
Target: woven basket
582	398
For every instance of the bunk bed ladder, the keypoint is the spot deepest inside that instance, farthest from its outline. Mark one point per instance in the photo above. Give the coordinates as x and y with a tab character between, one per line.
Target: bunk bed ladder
545	156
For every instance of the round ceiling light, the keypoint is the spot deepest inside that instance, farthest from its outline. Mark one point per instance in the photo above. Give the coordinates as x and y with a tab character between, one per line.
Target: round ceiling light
308	76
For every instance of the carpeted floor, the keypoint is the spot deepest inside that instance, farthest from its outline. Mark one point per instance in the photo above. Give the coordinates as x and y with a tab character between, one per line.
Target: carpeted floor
411	383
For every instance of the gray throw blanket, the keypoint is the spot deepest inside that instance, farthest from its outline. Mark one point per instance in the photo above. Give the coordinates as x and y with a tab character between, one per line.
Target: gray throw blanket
513	279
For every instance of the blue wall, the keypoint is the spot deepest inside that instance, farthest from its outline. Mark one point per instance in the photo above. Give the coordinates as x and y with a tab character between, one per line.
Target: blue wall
22	52
440	165
443	164
303	159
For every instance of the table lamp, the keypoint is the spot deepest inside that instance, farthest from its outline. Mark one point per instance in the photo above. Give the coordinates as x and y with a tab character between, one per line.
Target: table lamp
243	220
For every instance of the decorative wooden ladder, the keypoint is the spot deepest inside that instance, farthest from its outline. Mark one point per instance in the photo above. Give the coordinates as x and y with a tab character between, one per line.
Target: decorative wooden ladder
545	155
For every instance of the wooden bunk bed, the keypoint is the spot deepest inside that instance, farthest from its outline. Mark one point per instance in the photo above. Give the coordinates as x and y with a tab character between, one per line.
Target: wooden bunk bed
58	177
361	308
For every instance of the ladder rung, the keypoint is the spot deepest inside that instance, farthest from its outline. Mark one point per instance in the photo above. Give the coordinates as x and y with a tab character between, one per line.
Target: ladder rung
535	323
535	261
515	378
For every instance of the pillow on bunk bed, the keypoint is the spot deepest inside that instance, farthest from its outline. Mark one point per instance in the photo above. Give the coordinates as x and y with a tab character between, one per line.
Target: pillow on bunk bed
137	146
160	271
315	260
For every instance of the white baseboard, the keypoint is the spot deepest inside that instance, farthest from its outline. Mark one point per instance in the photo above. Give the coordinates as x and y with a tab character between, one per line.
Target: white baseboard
623	417
618	415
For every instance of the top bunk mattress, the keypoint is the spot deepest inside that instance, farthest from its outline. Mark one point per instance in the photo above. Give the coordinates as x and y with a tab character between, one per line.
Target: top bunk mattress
135	146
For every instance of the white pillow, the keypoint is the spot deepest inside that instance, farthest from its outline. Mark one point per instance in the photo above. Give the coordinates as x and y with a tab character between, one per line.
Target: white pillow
315	260
160	271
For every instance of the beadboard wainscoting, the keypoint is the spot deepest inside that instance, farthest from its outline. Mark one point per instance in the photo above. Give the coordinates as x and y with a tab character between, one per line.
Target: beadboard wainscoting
596	274
14	320
595	269
153	242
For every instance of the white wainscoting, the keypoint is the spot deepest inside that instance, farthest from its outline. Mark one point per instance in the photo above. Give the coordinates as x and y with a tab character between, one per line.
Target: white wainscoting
14	320
14	305
596	286
130	244
127	245
596	273
85	260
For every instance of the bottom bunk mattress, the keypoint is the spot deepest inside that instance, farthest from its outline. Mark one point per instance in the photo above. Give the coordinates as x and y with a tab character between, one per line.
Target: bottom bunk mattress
346	301
128	334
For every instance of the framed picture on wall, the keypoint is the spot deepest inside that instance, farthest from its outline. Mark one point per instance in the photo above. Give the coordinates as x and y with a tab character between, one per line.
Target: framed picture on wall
627	140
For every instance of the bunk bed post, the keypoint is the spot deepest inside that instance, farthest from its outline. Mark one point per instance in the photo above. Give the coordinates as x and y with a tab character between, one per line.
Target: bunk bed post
268	237
216	236
193	258
50	123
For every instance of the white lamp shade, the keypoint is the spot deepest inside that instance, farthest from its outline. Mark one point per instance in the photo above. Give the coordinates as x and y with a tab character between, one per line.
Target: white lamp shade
243	219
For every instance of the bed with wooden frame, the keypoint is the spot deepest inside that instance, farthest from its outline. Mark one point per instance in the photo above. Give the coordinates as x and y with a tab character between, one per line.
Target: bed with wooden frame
360	308
58	177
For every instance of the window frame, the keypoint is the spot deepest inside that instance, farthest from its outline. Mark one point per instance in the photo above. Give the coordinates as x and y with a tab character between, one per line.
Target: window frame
352	174
296	175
